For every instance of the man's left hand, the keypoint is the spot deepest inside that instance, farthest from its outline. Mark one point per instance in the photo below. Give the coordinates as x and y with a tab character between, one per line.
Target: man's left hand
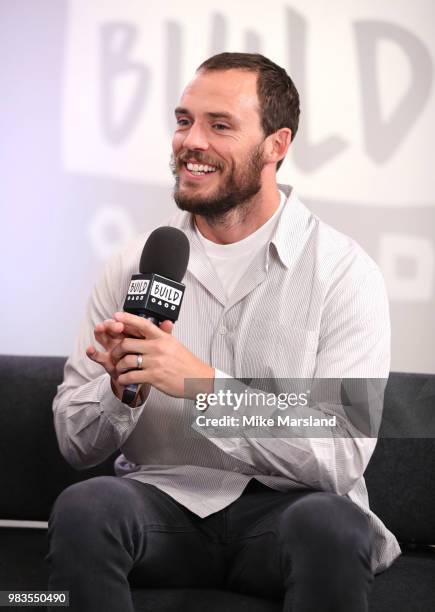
166	363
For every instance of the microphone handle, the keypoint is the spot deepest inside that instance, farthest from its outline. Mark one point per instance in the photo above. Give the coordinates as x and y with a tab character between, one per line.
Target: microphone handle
130	393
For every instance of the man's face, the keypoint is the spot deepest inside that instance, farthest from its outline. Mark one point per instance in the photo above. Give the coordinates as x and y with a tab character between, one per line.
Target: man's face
217	145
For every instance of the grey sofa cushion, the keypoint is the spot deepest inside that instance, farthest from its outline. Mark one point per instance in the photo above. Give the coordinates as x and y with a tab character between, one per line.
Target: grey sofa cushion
400	476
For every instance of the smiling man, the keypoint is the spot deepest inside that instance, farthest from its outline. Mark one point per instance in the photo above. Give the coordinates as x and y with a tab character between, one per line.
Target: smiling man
223	162
271	293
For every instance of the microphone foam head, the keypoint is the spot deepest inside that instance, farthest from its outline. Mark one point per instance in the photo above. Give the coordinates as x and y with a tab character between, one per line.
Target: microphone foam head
166	252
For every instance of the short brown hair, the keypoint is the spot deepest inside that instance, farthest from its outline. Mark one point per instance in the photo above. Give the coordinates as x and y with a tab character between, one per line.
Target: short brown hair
277	94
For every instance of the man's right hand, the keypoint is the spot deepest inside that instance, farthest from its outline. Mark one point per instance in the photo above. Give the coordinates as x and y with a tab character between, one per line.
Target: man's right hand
108	334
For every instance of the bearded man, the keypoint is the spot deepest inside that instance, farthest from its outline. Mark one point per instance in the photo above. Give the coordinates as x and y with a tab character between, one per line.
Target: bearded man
271	292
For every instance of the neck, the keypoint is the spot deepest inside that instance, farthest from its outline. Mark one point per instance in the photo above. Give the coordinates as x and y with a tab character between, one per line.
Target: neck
241	221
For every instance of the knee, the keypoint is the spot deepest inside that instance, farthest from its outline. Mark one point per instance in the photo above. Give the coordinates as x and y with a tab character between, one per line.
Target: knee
85	506
326	521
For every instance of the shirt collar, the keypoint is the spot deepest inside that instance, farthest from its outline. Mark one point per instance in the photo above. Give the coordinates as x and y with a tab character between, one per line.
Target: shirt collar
288	238
291	231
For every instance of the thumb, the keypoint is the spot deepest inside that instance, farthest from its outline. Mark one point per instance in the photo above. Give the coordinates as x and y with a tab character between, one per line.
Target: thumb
97	356
167	326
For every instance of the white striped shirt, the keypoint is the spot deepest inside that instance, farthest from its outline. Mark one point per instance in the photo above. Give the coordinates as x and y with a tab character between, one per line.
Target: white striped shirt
312	304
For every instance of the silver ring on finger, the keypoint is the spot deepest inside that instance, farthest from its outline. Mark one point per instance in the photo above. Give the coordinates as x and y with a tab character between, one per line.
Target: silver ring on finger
139	359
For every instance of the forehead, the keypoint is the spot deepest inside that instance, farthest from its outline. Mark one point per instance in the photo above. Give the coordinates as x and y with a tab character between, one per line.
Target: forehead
231	91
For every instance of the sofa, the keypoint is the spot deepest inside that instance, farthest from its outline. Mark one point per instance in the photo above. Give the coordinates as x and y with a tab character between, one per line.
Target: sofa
400	480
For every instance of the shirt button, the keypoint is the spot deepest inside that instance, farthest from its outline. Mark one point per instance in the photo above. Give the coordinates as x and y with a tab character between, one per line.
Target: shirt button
223	330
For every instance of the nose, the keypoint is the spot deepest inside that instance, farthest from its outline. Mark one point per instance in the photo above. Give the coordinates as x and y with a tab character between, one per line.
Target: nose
195	138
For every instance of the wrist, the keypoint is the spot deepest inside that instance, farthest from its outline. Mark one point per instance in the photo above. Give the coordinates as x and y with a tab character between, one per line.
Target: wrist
141	395
144	391
116	388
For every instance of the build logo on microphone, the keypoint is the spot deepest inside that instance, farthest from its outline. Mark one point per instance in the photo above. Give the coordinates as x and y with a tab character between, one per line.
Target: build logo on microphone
166	293
154	295
138	287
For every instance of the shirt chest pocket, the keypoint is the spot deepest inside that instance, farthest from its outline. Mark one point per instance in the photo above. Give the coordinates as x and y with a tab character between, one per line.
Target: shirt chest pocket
272	350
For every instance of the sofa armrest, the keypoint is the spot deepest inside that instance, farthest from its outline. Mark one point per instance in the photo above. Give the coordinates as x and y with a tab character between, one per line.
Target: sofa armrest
33	472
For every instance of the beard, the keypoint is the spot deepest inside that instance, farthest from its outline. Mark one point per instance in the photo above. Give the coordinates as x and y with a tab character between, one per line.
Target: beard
236	190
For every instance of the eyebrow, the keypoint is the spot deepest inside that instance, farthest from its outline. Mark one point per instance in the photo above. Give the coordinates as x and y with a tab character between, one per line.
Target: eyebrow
212	115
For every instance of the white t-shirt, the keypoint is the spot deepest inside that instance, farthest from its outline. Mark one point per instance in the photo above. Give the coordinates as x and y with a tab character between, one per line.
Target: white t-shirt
230	261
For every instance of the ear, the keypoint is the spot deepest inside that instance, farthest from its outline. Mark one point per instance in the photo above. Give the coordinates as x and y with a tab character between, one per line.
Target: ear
277	145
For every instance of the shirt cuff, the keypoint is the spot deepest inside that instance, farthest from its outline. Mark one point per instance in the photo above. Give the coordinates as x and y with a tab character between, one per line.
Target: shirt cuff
114	409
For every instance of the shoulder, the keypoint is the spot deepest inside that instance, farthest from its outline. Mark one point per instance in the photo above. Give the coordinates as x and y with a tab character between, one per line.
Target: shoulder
335	252
342	252
346	271
327	256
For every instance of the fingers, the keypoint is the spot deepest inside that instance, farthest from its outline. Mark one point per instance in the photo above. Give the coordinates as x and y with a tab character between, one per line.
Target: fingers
100	357
114	328
138	326
132	345
135	377
119	357
130	362
167	326
93	354
109	333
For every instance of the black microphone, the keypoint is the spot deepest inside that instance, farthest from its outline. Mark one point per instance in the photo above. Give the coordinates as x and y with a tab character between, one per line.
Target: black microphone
156	293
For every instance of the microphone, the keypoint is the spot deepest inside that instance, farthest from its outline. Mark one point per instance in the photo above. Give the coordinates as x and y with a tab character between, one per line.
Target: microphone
156	293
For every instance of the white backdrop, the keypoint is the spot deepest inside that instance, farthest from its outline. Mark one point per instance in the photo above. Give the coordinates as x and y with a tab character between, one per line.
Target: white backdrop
87	95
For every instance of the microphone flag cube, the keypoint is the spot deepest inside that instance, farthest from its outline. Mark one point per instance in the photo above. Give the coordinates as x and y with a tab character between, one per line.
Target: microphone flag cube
152	295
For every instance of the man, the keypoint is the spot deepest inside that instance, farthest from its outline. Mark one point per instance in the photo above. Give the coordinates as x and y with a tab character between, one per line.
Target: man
271	292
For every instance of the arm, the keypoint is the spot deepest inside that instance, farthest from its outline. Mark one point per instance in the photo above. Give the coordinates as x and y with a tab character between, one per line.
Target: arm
354	343
90	421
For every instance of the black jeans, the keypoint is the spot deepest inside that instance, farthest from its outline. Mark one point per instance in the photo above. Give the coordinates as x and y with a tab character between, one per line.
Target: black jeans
311	548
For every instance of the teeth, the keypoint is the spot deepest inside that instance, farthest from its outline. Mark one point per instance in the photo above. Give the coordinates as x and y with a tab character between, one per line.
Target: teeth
202	168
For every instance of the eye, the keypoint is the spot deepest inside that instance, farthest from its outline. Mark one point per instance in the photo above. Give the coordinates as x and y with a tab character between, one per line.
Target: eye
221	126
182	122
